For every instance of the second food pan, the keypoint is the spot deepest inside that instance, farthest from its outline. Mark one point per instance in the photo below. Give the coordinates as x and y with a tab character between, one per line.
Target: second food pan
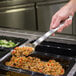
66	62
5	39
57	48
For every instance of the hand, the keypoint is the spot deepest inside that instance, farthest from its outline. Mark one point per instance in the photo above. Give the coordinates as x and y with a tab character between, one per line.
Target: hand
62	15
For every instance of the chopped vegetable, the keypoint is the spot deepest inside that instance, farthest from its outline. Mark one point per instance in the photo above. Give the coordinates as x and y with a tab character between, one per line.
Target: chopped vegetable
5	43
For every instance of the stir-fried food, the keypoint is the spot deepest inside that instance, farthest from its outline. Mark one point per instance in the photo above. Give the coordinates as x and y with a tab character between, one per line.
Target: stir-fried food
20	59
50	67
22	51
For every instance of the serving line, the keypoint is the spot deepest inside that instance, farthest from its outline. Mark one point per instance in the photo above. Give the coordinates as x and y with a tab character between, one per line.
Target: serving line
71	72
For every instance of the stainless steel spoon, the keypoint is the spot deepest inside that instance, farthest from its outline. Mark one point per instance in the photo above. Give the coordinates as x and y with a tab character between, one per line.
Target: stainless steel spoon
47	34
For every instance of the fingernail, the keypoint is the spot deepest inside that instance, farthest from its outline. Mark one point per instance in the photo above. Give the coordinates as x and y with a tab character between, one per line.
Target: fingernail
53	26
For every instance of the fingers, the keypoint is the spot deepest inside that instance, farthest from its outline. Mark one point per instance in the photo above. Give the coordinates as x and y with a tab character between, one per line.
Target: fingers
66	24
56	19
53	21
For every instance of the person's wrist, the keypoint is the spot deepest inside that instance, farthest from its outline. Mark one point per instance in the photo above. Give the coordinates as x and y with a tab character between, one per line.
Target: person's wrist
72	5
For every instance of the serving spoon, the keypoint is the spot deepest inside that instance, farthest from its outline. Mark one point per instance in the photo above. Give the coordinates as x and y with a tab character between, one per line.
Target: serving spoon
46	35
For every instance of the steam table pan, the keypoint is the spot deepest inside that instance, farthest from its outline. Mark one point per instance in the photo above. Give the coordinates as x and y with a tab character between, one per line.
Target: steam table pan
4	50
57	48
16	40
66	62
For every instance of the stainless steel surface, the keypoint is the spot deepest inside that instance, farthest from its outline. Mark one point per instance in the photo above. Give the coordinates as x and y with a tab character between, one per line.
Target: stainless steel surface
20	17
74	25
48	0
6	3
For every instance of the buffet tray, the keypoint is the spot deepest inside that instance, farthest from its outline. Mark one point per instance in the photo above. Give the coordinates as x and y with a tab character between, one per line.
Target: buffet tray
61	52
16	40
4	50
66	62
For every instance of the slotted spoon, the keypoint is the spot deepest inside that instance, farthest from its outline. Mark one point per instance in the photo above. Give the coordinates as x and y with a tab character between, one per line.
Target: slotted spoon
46	35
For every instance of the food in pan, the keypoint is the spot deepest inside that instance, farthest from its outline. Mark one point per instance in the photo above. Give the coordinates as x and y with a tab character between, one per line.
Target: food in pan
22	51
50	67
5	43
